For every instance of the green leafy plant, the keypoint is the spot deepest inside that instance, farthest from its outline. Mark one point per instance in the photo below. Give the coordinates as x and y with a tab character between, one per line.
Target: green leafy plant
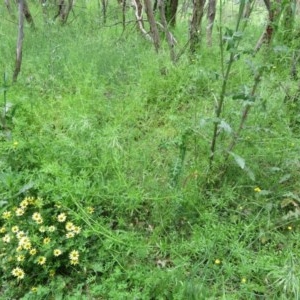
39	241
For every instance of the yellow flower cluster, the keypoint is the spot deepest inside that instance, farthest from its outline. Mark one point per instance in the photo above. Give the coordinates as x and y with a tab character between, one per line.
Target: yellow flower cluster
6	215
72	230
74	257
24	242
37	218
18	272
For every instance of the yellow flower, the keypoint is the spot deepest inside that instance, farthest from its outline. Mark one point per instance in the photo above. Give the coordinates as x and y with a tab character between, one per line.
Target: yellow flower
2	229
46	240
39	221
74	262
57	252
20	258
15	229
290	228
42	229
217	261
52	273
257	190
24	203
41	260
33	251
24	240
6	215
244	280
18	272
77	229
19	211
69	235
36	216
6	238
70	226
34	289
30	200
20	234
27	246
15	144
19	248
61	217
51	228
90	210
74	255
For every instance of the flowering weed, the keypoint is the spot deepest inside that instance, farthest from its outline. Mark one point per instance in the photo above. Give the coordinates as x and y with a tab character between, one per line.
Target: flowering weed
37	242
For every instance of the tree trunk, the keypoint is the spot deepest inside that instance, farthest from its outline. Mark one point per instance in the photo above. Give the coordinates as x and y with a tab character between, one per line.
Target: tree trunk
211	14
19	41
170	39
104	9
195	28
8	6
153	26
247	9
171	11
27	14
138	10
274	13
64	10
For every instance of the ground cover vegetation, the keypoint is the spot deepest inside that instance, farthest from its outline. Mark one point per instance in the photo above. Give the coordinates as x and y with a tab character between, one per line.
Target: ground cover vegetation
128	174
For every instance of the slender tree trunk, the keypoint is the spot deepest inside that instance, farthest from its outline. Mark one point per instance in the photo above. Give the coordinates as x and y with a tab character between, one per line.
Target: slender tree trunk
64	10
124	14
274	13
19	41
211	14
195	27
171	11
138	11
8	6
27	14
104	9
153	26
170	39
247	9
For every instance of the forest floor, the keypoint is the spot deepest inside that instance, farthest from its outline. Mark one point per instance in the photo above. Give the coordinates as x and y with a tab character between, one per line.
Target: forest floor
107	187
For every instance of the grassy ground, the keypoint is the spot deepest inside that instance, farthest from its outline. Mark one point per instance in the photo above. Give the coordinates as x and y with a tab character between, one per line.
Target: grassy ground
115	138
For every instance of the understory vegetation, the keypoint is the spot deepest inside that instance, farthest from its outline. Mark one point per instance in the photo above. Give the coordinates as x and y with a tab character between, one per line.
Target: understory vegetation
108	185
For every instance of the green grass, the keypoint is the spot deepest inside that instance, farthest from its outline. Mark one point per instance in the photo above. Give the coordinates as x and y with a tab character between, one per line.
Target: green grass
118	138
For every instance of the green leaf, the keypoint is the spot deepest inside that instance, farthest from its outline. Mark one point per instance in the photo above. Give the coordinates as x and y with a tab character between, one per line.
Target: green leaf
26	187
225	126
239	160
285	178
3	202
